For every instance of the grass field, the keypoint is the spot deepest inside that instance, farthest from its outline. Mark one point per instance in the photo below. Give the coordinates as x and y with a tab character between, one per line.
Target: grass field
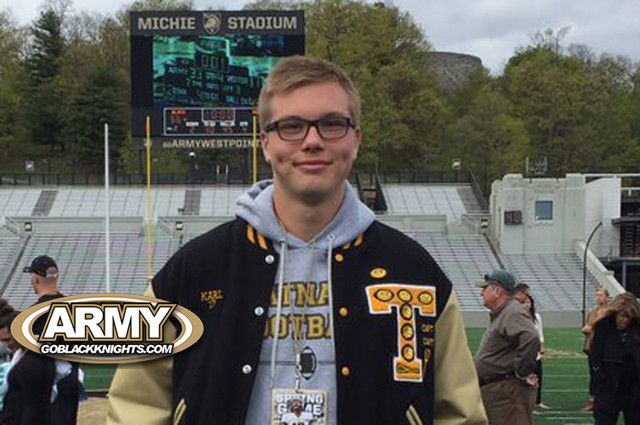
565	377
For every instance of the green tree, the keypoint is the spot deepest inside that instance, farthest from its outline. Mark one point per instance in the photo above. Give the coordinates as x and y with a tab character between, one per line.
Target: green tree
563	106
12	78
43	115
488	138
98	101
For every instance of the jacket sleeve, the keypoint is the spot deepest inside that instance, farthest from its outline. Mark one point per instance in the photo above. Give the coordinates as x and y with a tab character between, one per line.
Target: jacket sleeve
140	393
596	355
457	395
520	328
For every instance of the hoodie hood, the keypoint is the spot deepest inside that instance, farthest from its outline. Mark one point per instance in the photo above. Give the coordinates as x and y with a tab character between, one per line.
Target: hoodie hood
256	207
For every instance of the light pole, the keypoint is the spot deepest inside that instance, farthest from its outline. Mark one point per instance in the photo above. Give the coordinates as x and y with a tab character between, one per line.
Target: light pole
584	273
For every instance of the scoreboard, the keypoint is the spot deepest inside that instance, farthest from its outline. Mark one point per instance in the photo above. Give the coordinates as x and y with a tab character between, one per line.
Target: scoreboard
198	75
208	122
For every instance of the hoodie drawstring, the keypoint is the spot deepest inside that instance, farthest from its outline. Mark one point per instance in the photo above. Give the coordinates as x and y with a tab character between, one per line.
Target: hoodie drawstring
281	265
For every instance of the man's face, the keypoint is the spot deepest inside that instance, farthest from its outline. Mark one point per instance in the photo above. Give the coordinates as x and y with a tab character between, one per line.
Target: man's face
314	169
490	295
7	339
601	298
296	406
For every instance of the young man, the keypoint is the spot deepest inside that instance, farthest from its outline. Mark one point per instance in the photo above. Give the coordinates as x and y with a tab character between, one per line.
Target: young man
507	354
305	295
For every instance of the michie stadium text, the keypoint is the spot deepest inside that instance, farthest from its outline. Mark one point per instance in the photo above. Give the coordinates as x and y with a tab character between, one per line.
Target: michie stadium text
107	349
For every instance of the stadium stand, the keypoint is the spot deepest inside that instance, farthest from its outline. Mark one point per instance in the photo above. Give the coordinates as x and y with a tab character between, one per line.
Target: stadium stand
453	234
81	259
555	279
18	202
220	201
125	202
452	200
464	259
9	250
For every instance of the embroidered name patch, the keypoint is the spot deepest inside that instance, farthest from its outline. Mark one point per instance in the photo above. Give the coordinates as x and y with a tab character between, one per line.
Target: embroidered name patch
211	297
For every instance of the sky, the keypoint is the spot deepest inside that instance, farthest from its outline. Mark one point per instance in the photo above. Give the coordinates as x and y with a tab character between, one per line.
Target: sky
489	29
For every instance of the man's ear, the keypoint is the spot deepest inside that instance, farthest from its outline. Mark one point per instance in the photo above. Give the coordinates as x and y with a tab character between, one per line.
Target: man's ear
358	140
264	144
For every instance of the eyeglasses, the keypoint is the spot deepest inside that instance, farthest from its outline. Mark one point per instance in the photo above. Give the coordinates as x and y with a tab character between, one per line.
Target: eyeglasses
296	129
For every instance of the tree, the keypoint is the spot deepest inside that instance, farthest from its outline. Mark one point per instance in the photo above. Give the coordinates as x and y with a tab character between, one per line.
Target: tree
43	115
564	106
12	77
99	100
488	138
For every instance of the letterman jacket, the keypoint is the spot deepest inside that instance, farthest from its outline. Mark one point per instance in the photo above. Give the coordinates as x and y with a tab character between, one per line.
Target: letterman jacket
401	350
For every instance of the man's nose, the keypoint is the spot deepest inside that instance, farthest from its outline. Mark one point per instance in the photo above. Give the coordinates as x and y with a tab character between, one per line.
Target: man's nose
313	138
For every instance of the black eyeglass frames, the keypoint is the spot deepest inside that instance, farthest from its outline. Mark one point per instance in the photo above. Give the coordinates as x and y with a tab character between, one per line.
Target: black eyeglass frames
296	129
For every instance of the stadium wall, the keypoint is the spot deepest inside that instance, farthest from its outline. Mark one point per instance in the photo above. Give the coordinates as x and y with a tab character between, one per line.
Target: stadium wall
576	207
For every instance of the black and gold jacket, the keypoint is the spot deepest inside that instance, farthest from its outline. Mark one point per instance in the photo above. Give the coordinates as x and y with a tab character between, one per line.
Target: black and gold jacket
401	350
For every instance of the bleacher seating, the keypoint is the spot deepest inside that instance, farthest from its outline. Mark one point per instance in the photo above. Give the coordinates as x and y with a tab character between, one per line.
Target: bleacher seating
464	259
125	201
451	200
9	248
81	259
17	202
220	201
555	279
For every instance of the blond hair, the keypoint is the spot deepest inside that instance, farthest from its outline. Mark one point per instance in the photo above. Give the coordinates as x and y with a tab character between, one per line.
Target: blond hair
297	71
604	290
625	304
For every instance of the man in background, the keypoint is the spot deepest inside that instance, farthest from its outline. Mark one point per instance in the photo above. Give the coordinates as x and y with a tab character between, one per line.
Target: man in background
44	279
506	358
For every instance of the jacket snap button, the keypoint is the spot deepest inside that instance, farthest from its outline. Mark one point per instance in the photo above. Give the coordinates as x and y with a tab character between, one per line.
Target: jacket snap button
269	259
339	258
345	371
344	311
246	369
259	311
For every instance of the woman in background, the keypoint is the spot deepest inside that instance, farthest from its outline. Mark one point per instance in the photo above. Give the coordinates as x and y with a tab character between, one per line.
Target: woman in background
530	305
602	298
615	353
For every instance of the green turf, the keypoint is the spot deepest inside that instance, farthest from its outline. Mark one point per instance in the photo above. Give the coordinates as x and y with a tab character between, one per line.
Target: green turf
565	376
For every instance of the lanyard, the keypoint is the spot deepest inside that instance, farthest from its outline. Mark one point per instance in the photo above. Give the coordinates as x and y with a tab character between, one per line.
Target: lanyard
300	339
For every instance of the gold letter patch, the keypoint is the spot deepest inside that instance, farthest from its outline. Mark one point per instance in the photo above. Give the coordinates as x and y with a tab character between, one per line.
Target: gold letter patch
407	300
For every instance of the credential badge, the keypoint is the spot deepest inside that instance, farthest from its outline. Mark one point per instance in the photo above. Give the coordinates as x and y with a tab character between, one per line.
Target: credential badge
211	22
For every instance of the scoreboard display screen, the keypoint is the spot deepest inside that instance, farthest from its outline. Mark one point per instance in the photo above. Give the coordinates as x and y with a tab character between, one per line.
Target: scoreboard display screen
198	75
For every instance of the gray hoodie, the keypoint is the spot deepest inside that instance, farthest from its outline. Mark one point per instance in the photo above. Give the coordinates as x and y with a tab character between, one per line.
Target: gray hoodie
304	268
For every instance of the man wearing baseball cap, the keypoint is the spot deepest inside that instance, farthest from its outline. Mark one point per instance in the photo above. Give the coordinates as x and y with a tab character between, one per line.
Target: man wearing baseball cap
44	279
507	354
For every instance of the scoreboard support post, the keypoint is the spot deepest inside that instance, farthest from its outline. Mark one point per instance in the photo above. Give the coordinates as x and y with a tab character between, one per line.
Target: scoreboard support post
254	113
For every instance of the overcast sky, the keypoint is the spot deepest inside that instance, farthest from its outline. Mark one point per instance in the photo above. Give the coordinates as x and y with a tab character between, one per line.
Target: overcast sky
489	29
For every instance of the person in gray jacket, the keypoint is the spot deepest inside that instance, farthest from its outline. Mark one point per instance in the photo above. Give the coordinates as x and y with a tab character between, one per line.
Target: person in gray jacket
506	358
